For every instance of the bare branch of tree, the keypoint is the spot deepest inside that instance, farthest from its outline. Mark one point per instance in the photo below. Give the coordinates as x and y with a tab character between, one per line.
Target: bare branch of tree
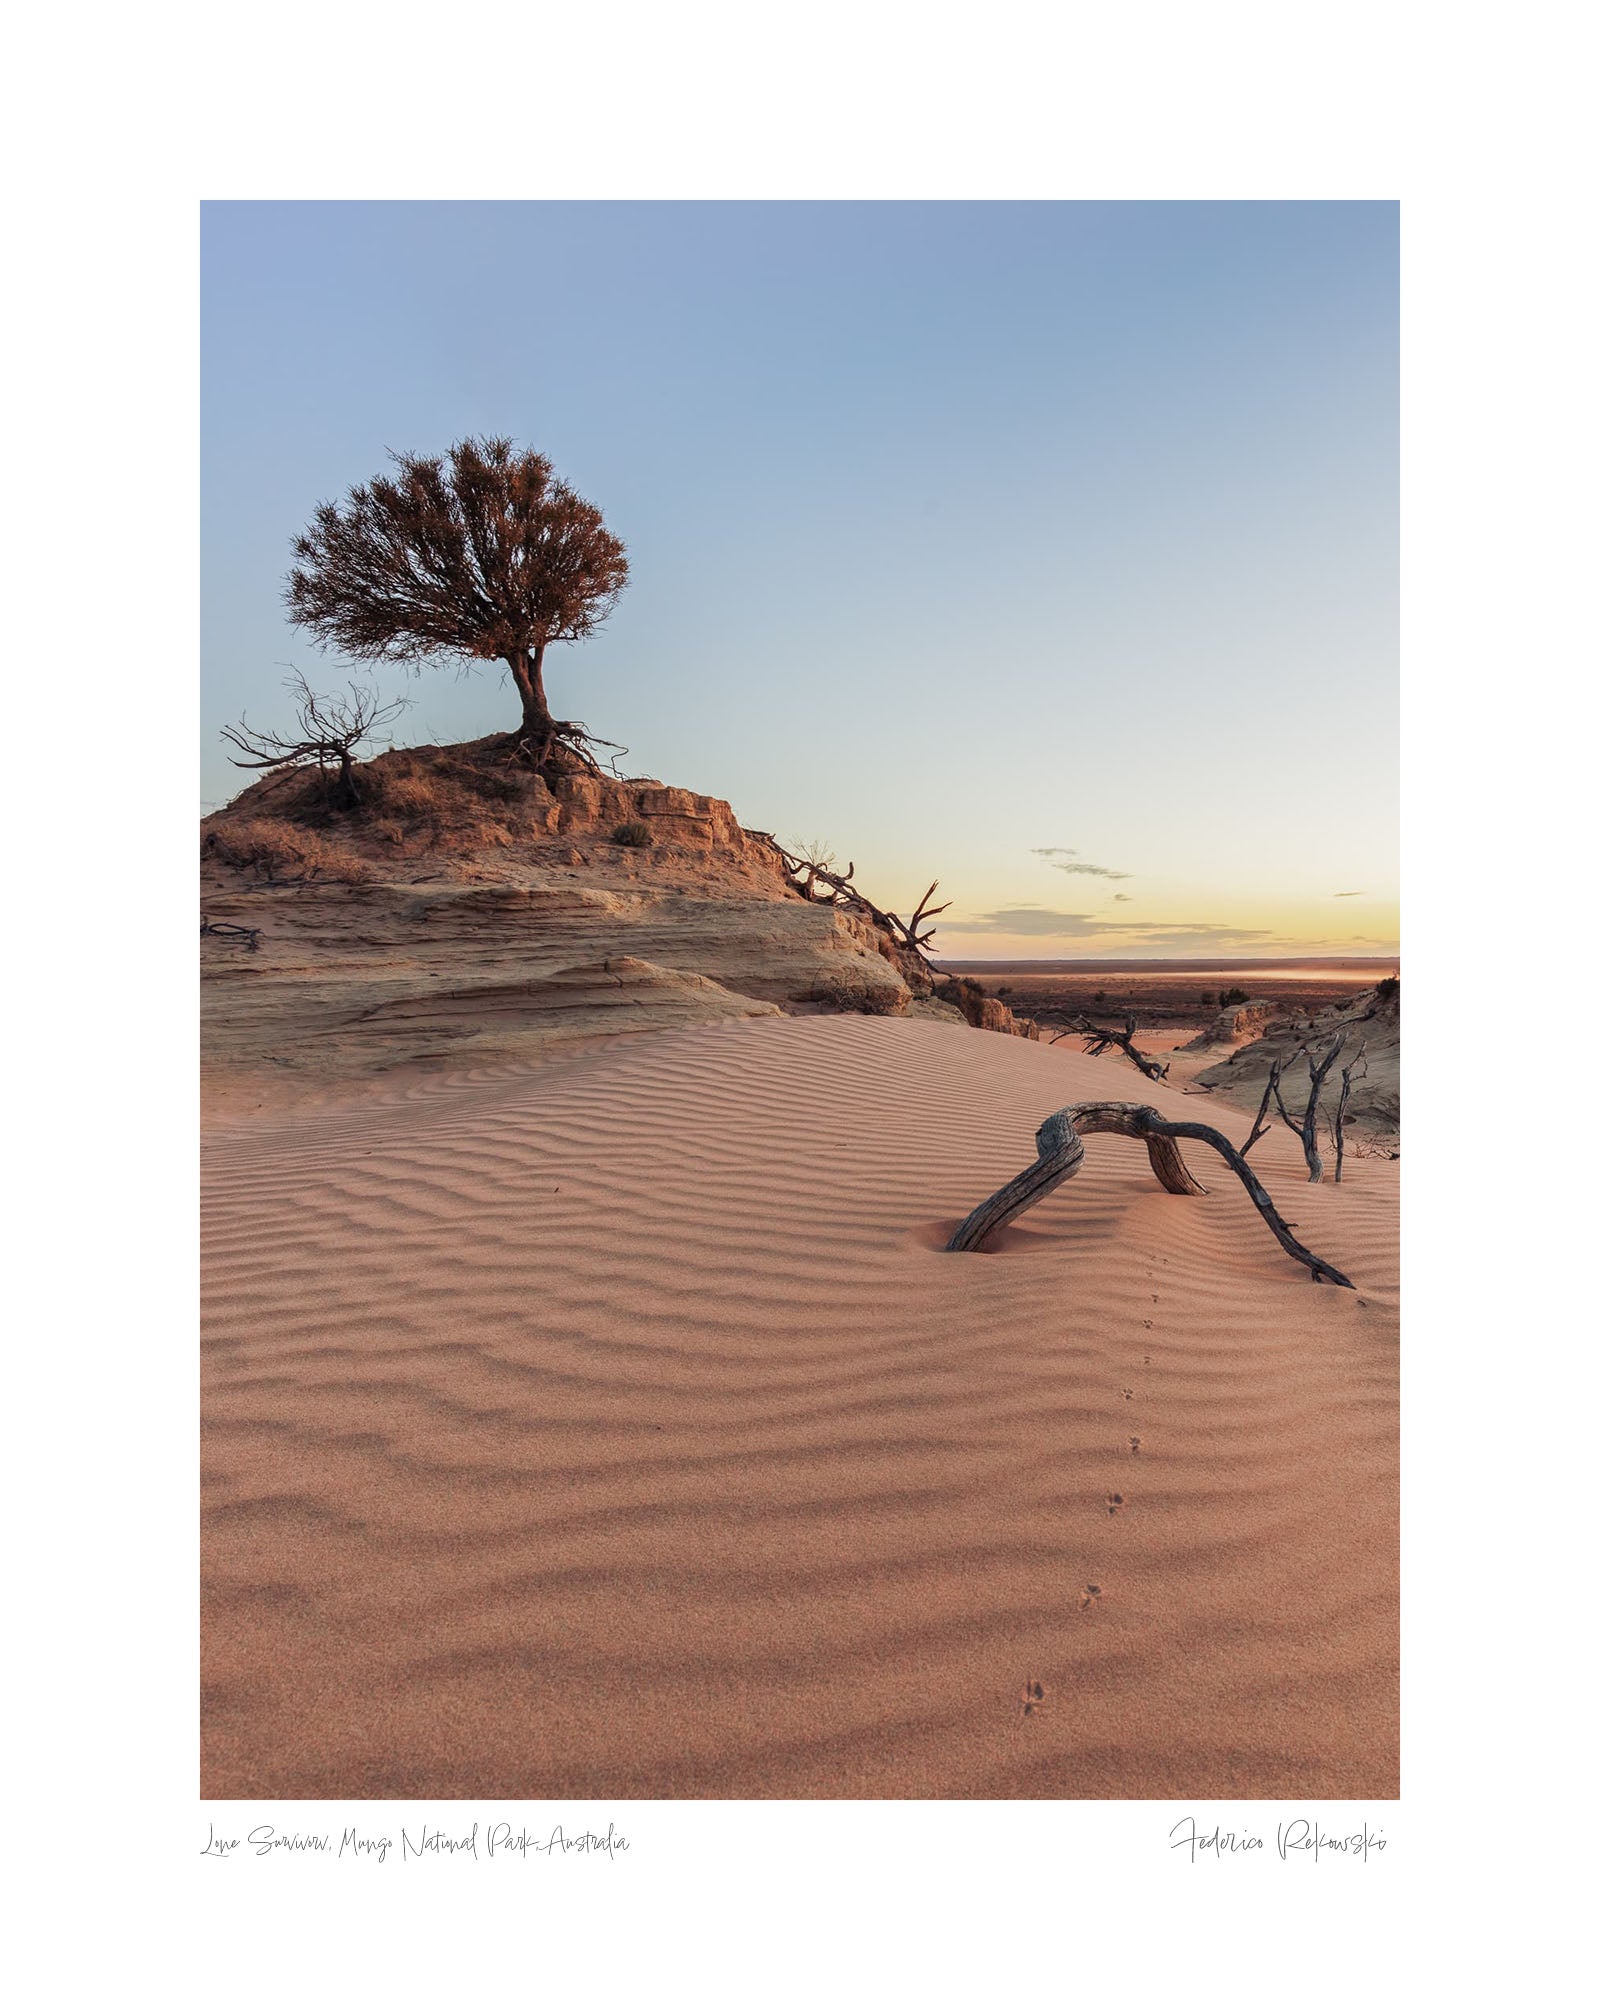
911	931
1356	1067
1305	1127
1262	1123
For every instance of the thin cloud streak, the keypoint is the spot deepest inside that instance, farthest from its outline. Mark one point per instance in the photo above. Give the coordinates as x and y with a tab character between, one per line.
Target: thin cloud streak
1079	867
1029	920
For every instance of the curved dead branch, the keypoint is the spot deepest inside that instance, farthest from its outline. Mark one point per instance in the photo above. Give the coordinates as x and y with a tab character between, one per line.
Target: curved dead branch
234	933
1060	1143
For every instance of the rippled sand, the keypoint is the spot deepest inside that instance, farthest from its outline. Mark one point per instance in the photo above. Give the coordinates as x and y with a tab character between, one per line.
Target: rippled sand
618	1429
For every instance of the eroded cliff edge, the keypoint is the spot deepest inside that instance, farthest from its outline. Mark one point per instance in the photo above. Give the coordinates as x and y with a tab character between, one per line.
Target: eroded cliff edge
471	911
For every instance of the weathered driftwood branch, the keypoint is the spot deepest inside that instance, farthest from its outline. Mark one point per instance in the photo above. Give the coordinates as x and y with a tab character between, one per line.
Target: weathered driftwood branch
1060	1143
1098	1040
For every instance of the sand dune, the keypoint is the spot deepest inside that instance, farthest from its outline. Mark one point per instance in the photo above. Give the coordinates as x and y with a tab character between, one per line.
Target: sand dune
617	1428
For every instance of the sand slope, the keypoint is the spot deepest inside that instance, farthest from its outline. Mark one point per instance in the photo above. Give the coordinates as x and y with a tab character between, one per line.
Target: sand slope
618	1429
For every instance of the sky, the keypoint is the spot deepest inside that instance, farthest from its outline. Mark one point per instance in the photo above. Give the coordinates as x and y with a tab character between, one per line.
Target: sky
1046	548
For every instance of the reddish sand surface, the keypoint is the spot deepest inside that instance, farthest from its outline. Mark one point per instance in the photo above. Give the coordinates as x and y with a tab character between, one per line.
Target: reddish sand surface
619	1428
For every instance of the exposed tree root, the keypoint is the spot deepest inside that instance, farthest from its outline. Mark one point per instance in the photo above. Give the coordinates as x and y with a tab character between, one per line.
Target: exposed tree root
565	747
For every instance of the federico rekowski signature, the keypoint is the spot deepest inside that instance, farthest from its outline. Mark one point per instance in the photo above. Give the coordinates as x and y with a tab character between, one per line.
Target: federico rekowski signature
1294	1837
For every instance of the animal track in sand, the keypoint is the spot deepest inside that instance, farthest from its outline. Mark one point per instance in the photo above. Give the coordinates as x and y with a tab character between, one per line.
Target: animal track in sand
1127	1395
1134	1443
1033	1694
1113	1502
1089	1596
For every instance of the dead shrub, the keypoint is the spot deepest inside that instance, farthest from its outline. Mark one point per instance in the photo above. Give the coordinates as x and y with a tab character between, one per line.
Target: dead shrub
412	794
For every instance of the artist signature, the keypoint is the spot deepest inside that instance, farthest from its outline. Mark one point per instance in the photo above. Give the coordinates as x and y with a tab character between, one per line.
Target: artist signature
1292	1837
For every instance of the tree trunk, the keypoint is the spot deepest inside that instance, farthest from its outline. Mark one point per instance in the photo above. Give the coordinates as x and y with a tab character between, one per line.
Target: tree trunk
527	670
346	792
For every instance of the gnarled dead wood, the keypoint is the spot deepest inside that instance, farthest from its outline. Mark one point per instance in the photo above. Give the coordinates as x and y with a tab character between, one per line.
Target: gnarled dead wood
1354	1068
1263	1122
332	727
1098	1040
1305	1130
1060	1143
812	871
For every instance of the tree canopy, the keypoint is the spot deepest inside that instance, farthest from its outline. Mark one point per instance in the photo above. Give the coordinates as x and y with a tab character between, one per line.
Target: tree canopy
483	554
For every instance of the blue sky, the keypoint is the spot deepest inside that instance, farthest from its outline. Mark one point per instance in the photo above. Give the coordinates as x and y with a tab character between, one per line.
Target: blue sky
1048	548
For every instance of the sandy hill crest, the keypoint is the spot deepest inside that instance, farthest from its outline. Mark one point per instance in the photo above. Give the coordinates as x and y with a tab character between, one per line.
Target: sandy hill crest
470	911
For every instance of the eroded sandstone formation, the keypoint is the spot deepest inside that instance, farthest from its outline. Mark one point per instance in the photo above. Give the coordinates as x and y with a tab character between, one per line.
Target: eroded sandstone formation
471	911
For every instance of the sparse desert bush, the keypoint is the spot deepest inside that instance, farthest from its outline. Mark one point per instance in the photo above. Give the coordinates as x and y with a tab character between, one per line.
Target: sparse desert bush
633	833
1235	996
458	806
328	730
277	850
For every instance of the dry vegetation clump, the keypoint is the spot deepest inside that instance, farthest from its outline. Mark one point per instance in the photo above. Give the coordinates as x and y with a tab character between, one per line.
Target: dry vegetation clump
447	802
633	833
280	851
454	803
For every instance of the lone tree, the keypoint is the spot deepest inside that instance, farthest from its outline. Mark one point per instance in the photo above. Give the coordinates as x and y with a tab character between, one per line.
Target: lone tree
481	555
